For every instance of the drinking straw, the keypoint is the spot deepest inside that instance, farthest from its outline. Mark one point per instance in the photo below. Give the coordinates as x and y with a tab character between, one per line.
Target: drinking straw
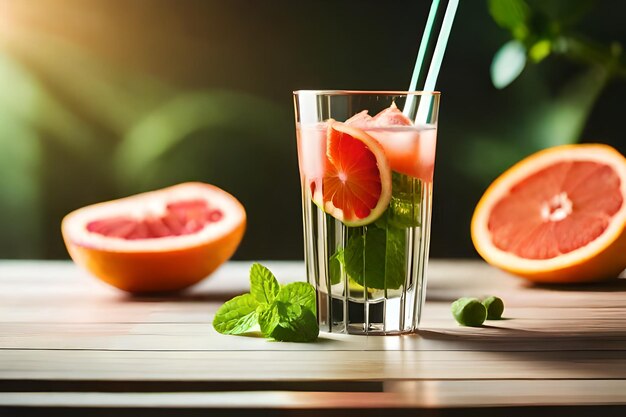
437	55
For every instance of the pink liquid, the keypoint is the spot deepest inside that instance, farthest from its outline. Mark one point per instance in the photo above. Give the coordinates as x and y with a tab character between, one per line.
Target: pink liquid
410	150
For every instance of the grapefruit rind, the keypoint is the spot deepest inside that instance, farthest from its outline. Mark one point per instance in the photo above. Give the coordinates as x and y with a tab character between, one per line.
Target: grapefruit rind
157	264
602	258
385	179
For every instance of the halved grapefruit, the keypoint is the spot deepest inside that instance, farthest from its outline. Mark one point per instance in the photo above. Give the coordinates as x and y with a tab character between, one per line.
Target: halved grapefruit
356	186
163	240
558	216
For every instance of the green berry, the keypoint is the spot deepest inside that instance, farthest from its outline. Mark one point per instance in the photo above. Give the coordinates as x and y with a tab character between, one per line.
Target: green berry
469	312
494	306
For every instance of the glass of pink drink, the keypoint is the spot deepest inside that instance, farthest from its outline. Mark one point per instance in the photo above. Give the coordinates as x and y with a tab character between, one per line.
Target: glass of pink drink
366	163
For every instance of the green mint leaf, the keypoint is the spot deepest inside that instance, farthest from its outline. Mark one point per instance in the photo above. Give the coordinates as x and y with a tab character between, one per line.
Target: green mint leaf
335	263
395	258
297	324
352	259
285	313
292	316
405	204
269	317
237	315
376	258
299	294
263	284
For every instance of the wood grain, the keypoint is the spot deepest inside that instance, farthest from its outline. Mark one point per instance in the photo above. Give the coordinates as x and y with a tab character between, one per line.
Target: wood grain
59	326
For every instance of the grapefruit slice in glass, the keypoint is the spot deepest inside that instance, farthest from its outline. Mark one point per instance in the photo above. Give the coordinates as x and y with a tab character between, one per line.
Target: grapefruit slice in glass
557	216
163	240
356	186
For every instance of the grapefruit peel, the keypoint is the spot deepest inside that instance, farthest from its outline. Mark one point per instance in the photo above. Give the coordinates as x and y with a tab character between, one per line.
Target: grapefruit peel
168	263
602	258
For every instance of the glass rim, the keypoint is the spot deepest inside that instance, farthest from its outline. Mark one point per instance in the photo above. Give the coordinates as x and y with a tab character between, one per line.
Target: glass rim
366	92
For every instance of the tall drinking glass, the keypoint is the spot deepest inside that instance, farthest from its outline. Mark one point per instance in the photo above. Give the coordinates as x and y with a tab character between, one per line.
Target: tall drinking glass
366	163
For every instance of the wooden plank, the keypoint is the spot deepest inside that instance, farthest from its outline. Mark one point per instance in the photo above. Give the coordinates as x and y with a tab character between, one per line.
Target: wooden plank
313	365
83	309
206	400
508	393
414	394
202	337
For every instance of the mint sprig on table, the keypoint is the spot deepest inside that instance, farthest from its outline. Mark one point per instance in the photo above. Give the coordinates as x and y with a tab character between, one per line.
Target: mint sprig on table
285	313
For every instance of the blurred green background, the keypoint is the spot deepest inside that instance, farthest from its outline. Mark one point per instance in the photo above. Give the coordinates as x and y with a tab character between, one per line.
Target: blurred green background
105	98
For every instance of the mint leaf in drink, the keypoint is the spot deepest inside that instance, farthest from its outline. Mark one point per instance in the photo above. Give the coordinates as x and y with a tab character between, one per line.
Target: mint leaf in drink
299	294
395	258
236	316
263	284
375	258
297	324
352	259
335	263
405	205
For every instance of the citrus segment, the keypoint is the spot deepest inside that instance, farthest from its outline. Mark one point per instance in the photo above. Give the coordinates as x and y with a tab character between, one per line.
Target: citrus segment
409	149
162	240
180	218
557	216
356	186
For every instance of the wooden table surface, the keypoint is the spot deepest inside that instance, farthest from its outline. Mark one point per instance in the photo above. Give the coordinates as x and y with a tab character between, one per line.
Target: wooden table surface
70	343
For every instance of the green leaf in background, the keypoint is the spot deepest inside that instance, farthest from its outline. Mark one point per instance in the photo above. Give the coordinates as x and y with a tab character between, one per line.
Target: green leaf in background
561	120
508	63
237	315
112	94
512	15
25	99
540	50
548	121
565	12
21	203
263	284
166	126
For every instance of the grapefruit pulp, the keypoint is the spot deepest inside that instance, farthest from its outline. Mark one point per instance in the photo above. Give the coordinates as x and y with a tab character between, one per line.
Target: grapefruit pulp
558	216
356	184
410	149
163	240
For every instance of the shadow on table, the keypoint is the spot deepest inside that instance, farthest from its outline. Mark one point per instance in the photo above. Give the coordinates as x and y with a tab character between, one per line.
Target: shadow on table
445	294
613	285
182	296
520	340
